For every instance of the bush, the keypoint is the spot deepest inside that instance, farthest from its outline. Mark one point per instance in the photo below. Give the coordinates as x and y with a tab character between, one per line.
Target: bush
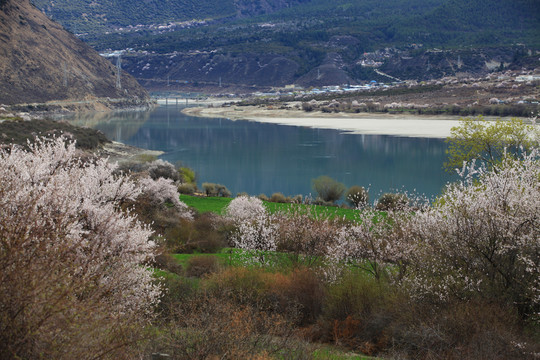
263	197
168	263
307	107
392	201
459	330
359	312
205	327
223	191
304	238
298	295
202	235
328	189
162	169
211	189
202	265
357	196
298	199
278	198
187	189
302	290
187	175
245	207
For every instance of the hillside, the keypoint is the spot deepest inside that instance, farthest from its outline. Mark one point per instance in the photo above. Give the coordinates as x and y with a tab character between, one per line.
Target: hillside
91	16
40	61
310	43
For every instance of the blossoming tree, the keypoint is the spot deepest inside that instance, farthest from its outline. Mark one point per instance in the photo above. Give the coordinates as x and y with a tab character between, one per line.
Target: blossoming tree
482	237
72	275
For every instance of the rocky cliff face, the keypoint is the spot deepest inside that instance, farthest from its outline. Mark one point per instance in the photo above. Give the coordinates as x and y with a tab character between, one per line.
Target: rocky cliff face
40	61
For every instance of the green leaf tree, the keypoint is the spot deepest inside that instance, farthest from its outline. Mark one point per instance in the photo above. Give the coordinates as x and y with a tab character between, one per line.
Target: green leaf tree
489	141
328	189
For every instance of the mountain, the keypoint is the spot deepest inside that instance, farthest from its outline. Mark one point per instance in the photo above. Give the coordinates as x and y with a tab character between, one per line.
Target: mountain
311	43
40	61
92	16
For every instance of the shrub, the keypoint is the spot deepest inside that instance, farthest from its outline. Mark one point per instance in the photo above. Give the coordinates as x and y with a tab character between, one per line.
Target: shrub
379	245
187	188
298	199
205	327
459	330
202	265
187	175
392	201
168	263
72	279
202	235
305	238
223	191
298	295
163	191
357	196
162	169
328	189
212	189
263	197
278	198
301	292
245	207
258	236
359	312
307	107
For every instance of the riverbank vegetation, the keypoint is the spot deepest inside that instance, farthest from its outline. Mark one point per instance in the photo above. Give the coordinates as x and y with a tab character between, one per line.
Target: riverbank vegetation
107	261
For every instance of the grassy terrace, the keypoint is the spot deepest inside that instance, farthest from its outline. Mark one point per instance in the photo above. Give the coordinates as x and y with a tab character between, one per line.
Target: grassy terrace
218	204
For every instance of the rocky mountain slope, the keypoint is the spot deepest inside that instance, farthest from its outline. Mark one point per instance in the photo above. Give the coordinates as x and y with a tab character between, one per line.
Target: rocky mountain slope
40	61
232	44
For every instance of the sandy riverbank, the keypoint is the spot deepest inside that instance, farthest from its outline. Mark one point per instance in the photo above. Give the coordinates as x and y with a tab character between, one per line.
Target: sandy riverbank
363	123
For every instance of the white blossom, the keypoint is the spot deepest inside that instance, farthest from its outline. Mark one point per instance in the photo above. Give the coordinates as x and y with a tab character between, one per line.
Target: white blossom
71	261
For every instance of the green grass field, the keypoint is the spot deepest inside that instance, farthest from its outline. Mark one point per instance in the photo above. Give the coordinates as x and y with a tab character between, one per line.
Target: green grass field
217	205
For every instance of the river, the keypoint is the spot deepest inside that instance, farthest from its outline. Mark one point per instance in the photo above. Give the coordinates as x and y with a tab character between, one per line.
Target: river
265	158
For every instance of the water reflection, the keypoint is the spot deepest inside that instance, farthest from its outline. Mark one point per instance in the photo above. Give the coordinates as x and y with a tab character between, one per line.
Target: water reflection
265	158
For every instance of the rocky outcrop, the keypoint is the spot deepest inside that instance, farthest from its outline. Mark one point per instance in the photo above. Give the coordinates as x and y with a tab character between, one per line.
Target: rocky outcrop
40	61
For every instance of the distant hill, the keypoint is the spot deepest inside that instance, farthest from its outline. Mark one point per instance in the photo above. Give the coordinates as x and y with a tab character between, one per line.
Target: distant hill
91	16
309	42
40	61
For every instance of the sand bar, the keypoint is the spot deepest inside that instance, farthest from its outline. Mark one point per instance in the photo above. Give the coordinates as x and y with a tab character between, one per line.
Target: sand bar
364	123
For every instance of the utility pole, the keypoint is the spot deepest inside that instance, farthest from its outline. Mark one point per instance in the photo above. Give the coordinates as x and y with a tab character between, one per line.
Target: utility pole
118	72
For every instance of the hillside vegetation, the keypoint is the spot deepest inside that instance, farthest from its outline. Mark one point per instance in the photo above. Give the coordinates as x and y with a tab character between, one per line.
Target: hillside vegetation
84	15
310	43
